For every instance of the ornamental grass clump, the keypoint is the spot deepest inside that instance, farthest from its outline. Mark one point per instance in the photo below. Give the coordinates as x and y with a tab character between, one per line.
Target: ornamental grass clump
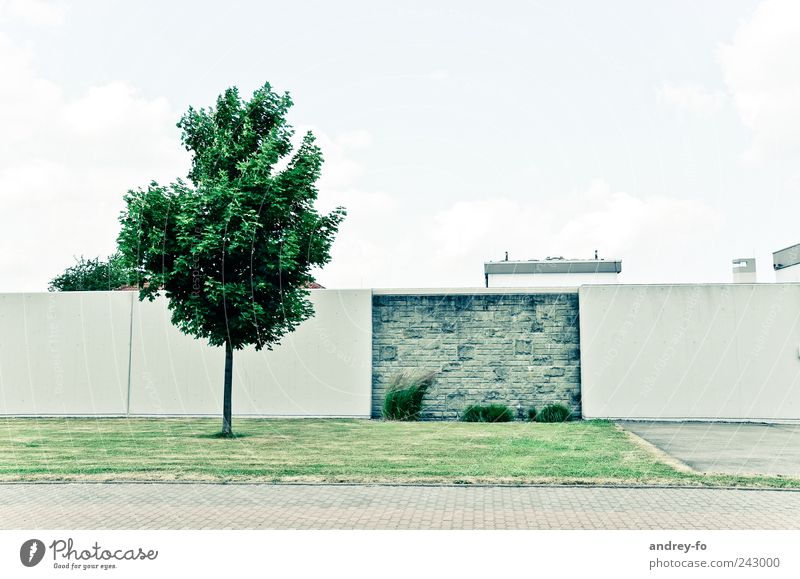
404	397
553	413
487	413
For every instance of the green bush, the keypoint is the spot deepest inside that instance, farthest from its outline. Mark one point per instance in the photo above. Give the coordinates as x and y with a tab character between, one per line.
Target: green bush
531	413
553	413
487	413
404	396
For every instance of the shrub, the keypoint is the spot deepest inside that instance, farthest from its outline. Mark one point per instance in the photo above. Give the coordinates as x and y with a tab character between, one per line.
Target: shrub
487	413
404	397
531	413
554	413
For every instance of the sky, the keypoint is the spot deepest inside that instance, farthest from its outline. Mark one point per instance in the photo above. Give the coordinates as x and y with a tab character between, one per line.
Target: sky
664	134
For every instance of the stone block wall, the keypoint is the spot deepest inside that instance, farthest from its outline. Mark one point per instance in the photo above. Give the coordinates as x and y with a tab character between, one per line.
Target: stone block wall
515	349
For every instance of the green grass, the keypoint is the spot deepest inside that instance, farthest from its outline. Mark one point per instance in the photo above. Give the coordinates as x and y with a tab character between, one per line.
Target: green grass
361	451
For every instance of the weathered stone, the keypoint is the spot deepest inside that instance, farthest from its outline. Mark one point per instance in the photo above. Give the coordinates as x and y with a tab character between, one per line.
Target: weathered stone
522	346
514	349
500	373
412	333
466	352
562	337
448	327
450	366
388	353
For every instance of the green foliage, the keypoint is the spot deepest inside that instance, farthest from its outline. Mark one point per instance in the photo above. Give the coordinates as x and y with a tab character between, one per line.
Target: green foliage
531	414
404	396
554	413
487	413
233	249
94	275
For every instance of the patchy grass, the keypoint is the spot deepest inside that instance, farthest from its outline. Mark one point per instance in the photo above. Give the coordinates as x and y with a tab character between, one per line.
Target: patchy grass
358	451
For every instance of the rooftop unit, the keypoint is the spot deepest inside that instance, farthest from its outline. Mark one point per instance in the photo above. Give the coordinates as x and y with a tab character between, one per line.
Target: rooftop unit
744	270
786	263
551	272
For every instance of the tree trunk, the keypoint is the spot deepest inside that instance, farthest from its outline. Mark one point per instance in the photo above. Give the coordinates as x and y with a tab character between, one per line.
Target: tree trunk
227	420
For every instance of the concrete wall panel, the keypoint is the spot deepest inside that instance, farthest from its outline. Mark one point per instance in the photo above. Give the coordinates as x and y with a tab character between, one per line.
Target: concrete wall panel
691	351
64	353
321	369
171	373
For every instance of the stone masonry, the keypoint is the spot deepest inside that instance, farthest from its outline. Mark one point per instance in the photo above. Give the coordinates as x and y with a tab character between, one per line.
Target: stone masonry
519	349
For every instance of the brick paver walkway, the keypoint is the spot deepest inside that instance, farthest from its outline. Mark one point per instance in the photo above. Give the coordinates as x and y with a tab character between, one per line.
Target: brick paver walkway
199	506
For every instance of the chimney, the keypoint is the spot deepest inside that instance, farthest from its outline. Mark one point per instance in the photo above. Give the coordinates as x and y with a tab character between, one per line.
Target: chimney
744	270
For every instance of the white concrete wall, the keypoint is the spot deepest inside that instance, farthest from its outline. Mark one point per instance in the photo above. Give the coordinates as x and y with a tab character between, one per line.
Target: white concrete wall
64	353
323	368
521	280
691	351
788	274
106	353
665	352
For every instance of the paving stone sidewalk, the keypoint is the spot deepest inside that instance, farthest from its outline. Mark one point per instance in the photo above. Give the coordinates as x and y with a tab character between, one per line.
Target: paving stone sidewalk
210	506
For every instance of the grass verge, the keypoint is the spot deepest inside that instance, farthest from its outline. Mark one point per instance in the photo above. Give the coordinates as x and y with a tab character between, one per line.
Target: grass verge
352	451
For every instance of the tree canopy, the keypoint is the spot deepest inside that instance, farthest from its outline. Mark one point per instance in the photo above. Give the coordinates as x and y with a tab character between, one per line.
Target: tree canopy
94	274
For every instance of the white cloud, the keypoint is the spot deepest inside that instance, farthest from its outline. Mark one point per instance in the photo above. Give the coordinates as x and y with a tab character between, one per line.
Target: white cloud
362	245
359	139
339	170
385	247
35	12
369	240
617	224
761	67
66	162
691	98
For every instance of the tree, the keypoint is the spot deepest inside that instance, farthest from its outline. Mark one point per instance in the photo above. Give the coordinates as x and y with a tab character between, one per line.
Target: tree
233	249
94	275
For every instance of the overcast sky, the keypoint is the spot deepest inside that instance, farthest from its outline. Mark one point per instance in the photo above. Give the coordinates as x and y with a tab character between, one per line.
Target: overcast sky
666	134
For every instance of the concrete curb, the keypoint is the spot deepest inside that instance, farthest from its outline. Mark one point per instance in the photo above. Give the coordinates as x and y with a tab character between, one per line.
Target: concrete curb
392	485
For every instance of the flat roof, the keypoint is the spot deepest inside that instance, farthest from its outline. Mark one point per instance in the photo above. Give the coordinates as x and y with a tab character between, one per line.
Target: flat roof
786	257
553	266
472	291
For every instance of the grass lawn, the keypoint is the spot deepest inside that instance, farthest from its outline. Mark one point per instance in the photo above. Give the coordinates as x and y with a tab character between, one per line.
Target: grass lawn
362	451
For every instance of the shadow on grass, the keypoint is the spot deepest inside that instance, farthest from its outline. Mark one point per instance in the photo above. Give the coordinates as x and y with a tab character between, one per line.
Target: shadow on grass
223	436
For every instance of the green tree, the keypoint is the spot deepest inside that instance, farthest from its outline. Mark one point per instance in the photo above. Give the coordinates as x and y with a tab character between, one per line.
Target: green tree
233	249
94	275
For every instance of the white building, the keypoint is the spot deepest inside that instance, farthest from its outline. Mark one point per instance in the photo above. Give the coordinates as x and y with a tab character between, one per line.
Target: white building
744	270
551	272
787	263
